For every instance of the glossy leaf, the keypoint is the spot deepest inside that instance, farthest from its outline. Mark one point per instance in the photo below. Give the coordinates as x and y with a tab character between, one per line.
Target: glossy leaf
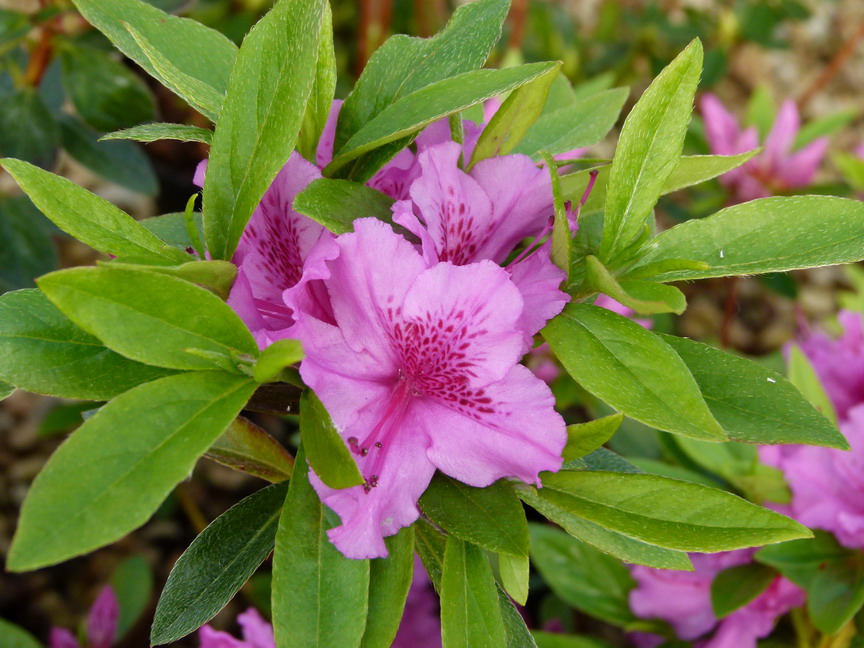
217	564
150	317
632	369
26	247
752	403
583	123
246	447
87	217
649	149
421	108
197	51
336	204
514	572
217	276
42	351
321	98
490	517
583	577
737	586
161	131
261	118
328	455
583	438
320	598
766	235
275	358
27	128
389	583
666	512
129	474
470	615
514	118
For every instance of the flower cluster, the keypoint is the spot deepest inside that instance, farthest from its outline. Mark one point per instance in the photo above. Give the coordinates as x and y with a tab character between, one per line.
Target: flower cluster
777	168
414	346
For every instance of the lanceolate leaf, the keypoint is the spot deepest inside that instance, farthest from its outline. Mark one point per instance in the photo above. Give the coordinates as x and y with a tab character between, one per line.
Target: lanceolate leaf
491	517
43	352
389	582
161	131
128	474
321	98
737	586
767	235
149	317
336	204
470	615
583	438
644	297
803	375
516	632
261	117
631	369
217	564
667	512
320	598
649	149
247	448
328	455
87	217
514	571
752	403
197	51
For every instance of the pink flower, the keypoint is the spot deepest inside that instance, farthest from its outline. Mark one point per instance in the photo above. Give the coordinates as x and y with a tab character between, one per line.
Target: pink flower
683	599
777	168
418	369
257	633
101	624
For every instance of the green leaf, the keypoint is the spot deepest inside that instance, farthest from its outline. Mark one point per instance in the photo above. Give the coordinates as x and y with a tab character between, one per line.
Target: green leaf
321	98
149	317
737	586
327	453
133	585
261	118
429	543
824	126
13	636
106	94
13	25
644	297
275	358
26	248
161	131
851	167
583	438
583	577
87	217
696	169
491	517
246	447
5	390
217	564
514	118
766	235
753	403
41	351
609	542
516	632
803	376
421	108
562	239
667	512
649	149
582	123
172	229
336	204
129	474
217	276
320	597
27	128
761	110
470	615
514	572
191	48
389	582
403	65
632	369
120	162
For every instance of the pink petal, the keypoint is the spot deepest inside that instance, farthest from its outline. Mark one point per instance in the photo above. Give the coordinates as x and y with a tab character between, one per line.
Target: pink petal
62	638
256	631
395	177
324	152
476	335
421	625
778	143
200	172
403	214
211	638
538	279
368	515
516	434
102	620
800	167
721	127
456	210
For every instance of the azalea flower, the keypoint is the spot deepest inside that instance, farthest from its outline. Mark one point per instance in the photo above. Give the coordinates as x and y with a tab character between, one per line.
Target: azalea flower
418	369
257	633
777	169
101	625
683	599
828	485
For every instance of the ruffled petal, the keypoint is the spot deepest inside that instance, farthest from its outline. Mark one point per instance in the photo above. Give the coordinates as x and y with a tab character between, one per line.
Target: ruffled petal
517	433
538	279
